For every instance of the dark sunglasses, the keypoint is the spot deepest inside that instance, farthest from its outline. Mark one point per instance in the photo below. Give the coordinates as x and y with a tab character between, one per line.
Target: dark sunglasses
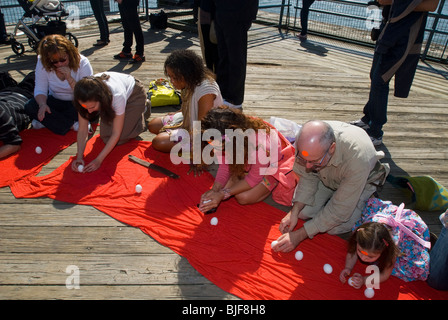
60	61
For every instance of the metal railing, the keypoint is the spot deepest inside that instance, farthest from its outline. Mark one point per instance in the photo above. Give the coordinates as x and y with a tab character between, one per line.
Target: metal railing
350	21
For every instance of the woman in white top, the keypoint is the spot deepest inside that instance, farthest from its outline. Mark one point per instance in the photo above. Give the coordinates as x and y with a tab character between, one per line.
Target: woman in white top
119	99
59	67
199	94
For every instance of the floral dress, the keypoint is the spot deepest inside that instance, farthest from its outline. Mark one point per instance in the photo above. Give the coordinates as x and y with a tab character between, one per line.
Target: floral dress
410	234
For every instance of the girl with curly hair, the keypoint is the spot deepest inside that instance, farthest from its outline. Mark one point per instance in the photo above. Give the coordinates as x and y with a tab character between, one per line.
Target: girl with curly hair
254	159
199	93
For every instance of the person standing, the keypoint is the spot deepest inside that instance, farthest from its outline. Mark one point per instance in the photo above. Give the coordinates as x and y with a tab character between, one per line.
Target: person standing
100	16
233	19
304	13
396	54
132	28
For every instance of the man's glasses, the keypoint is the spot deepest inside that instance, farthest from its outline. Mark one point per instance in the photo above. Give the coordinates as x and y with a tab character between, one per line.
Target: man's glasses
58	61
316	163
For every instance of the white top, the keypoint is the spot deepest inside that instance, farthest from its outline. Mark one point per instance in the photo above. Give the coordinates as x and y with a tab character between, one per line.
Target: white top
206	87
121	85
48	83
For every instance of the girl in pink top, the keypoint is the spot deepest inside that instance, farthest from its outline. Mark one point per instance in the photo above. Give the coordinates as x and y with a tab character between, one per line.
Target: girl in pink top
253	159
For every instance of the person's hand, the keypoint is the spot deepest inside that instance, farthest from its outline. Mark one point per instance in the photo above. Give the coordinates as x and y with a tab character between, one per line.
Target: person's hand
357	280
289	241
43	108
210	200
289	222
76	163
344	274
64	72
92	166
197	169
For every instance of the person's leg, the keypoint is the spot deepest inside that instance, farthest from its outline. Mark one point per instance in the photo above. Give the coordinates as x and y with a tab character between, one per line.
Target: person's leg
258	193
127	29
304	13
376	107
321	198
232	48
438	263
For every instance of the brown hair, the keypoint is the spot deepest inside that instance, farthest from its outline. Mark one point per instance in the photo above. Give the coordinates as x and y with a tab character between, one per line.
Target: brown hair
188	65
375	237
94	89
223	118
57	44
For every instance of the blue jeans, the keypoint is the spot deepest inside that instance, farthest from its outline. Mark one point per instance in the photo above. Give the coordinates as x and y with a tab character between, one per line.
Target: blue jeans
375	110
438	263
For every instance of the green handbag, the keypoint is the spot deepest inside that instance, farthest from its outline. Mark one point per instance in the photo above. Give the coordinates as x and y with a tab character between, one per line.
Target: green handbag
426	193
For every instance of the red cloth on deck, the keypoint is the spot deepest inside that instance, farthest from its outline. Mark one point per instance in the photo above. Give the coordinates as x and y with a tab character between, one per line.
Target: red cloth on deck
235	254
27	162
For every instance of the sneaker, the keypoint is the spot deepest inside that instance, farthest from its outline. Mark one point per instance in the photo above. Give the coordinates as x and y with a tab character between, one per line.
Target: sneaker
137	59
376	141
123	55
37	124
360	123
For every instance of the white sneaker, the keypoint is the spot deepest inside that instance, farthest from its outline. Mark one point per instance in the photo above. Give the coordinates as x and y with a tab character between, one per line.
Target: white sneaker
37	124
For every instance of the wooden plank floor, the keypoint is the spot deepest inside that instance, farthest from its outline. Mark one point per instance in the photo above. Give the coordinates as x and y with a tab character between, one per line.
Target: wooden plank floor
40	238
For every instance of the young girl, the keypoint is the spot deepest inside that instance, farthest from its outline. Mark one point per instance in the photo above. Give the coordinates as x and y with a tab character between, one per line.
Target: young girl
119	99
246	180
396	240
199	93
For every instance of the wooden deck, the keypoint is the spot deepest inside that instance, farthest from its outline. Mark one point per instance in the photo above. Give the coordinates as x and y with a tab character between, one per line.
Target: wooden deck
321	79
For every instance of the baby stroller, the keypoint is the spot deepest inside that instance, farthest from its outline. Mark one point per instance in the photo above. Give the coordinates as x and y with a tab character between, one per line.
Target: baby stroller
51	12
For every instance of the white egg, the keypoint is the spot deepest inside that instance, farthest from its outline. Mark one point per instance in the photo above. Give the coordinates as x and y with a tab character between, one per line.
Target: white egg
350	282
369	293
299	255
80	168
138	188
214	221
274	243
38	150
328	268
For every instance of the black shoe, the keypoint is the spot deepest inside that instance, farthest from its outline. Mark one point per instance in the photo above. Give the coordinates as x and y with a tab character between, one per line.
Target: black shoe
137	59
101	43
122	55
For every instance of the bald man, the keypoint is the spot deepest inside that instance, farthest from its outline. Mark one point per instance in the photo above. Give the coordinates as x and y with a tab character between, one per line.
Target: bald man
339	171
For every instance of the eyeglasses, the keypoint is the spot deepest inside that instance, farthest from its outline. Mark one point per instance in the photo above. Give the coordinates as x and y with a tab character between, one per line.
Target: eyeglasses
60	61
316	163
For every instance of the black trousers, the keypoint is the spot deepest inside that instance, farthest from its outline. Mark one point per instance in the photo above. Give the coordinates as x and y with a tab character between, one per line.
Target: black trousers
60	120
232	50
131	25
100	16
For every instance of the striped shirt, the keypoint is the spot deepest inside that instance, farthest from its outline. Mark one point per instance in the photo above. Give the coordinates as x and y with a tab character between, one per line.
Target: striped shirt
13	118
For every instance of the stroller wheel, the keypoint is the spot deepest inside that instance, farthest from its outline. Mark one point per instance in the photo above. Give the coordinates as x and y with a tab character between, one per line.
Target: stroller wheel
18	48
33	44
72	38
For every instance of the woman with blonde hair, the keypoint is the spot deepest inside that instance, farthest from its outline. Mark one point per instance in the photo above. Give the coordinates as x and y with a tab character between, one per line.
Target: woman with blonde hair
59	67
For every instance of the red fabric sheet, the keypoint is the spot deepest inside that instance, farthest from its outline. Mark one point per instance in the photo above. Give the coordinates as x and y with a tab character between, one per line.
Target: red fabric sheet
236	254
27	162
